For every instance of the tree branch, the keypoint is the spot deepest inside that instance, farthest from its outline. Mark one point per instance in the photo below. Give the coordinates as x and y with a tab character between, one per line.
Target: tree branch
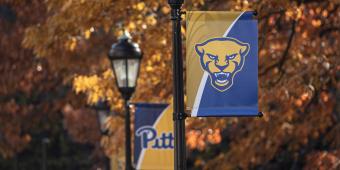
281	62
328	30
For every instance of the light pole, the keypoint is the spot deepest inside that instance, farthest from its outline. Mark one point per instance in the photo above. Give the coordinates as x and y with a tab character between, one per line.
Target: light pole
44	141
125	57
103	112
178	99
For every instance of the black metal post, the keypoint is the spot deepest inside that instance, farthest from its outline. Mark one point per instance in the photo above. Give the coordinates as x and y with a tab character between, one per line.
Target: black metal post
107	163
128	165
16	163
44	142
178	98
106	160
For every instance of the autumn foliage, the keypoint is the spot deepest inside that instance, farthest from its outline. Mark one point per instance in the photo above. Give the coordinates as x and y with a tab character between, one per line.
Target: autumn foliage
54	67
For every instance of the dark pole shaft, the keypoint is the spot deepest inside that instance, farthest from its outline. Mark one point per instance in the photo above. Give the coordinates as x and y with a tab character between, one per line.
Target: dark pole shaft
44	167
178	99
128	165
107	163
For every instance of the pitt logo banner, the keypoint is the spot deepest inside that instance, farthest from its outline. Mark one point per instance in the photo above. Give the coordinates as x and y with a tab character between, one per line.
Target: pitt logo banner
222	64
154	138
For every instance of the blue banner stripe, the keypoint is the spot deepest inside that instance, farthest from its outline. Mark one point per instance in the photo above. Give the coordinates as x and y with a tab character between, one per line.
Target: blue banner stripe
242	97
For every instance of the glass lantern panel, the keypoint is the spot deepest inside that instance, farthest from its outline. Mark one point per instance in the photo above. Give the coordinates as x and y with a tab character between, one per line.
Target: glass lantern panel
133	67
102	116
120	72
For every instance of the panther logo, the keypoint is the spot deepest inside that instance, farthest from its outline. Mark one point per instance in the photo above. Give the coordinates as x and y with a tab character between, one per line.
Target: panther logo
222	58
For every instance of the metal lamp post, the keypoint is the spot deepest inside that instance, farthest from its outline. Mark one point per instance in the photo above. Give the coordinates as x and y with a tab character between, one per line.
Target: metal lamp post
45	141
103	112
125	57
178	99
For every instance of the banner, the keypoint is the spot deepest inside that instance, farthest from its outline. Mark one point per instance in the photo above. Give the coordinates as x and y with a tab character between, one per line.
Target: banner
222	63
154	138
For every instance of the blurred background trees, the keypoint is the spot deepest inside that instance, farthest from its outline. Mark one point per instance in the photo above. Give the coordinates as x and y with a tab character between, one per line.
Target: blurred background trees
53	65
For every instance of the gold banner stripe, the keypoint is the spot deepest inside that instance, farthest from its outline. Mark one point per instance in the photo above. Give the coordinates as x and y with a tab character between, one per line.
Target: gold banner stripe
202	25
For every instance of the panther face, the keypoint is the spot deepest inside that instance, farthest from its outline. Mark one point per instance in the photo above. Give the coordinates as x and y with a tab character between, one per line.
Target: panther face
222	58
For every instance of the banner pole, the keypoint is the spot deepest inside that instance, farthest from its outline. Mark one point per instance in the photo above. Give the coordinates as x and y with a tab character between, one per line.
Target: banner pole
178	93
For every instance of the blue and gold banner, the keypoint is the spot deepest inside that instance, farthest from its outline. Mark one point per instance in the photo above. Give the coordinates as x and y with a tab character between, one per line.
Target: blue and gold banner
222	63
154	138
